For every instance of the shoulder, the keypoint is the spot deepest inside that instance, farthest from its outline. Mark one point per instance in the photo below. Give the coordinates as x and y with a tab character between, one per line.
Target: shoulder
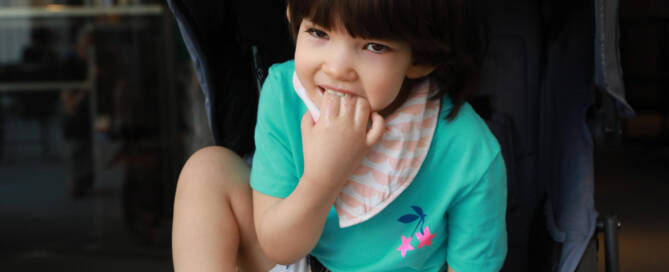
281	71
279	81
467	131
277	93
465	141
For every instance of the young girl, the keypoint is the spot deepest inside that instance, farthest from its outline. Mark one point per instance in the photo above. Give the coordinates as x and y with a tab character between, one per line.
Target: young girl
367	157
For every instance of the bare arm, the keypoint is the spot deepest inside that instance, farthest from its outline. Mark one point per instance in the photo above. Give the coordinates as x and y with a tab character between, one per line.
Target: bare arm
288	229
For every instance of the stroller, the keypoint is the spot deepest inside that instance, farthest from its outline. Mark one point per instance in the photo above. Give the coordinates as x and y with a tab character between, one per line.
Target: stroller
549	92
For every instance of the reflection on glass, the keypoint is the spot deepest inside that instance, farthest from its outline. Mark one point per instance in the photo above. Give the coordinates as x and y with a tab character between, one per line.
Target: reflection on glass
99	79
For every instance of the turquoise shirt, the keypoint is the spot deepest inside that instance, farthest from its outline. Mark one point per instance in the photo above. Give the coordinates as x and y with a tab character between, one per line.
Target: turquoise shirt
452	213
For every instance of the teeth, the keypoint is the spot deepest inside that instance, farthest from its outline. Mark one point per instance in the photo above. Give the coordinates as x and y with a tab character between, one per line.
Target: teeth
335	93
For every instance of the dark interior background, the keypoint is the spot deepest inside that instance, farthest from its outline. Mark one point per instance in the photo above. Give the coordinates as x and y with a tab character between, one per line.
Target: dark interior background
632	178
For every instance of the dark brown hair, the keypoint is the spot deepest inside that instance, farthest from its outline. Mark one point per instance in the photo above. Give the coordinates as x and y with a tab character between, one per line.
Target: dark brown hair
440	32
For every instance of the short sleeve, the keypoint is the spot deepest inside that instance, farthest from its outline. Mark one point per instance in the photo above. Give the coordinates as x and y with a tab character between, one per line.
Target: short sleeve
273	171
477	223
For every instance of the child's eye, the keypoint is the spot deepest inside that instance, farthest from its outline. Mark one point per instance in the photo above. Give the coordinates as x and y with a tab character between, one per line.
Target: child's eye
317	33
376	48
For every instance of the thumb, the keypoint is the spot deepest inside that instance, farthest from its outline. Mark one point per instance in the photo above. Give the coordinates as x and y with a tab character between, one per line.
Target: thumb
376	131
307	123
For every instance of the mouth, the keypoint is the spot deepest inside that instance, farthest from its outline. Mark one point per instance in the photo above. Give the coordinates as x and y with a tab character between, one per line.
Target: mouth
323	90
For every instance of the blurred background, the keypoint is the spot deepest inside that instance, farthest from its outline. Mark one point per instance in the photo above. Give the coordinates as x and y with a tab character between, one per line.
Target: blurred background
97	105
632	179
100	107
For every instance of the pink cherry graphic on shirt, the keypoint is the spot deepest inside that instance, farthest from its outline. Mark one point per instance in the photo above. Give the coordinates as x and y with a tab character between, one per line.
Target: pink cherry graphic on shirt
425	239
406	246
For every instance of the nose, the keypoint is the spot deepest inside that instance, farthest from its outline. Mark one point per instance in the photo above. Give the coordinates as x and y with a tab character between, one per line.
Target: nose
339	65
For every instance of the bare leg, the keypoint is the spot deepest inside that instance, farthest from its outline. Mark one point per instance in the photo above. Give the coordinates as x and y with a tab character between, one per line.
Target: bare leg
213	215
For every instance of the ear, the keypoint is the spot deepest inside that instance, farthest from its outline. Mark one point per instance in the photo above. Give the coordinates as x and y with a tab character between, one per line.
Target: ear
418	71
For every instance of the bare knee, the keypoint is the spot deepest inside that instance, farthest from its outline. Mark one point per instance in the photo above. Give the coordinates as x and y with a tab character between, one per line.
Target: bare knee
205	231
217	168
216	180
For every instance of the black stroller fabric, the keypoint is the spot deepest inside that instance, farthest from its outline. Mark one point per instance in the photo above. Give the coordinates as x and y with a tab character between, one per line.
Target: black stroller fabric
547	67
232	44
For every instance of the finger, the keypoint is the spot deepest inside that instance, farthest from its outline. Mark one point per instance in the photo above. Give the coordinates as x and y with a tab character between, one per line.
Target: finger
362	111
347	106
378	127
331	105
307	123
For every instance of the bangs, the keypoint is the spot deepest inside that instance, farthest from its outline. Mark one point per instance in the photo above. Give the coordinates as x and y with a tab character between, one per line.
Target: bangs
367	19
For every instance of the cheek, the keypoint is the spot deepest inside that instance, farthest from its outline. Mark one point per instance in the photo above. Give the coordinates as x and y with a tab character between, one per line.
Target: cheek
300	59
302	55
385	78
302	64
385	90
305	69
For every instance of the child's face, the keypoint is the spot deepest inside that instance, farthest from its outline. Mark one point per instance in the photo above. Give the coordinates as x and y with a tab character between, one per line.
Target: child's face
372	69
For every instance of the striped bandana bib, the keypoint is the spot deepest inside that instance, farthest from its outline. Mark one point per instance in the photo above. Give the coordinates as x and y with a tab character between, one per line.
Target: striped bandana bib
391	164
